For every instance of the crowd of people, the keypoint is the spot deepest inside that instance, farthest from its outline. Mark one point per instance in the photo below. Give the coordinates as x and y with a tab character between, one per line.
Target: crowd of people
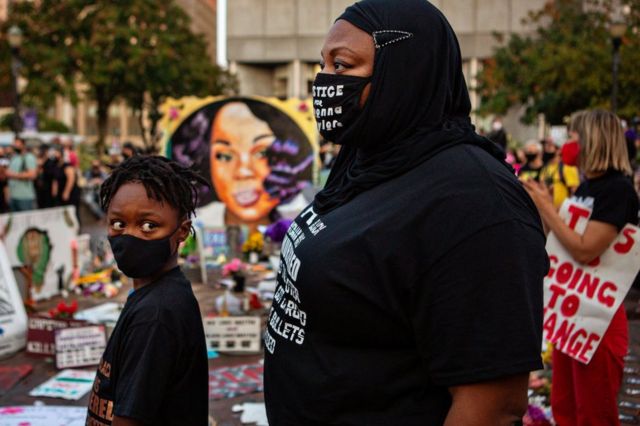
50	175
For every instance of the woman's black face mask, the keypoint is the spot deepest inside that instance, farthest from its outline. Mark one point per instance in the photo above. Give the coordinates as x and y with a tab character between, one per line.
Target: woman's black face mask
336	101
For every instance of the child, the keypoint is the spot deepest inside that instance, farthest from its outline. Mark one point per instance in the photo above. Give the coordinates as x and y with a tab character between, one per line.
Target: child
154	369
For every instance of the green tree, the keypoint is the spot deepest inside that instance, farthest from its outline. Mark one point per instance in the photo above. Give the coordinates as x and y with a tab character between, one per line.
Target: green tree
108	50
564	66
168	61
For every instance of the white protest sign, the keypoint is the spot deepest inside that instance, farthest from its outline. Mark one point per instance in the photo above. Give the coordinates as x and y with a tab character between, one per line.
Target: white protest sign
44	415
39	244
80	346
580	300
68	384
233	334
13	317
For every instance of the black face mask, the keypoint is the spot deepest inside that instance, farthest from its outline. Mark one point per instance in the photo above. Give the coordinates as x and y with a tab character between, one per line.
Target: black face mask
138	258
548	156
530	157
336	101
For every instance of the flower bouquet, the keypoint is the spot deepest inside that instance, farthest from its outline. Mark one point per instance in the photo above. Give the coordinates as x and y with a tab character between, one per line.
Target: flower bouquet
252	248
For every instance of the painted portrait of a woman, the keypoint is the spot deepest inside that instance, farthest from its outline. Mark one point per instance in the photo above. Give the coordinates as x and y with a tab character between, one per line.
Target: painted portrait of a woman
255	155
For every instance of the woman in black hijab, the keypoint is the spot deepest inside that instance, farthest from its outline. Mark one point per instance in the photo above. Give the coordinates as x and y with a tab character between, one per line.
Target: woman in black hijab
410	291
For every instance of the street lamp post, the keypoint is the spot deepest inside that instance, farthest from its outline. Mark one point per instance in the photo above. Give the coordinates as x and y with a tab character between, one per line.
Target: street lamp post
15	42
617	30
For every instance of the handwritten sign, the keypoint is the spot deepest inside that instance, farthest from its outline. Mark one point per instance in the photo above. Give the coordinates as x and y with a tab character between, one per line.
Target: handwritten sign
13	318
44	415
580	300
212	242
41	334
68	384
80	346
233	334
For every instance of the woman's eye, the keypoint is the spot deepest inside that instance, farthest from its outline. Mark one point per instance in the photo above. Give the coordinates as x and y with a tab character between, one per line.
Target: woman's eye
261	154
117	225
148	227
224	157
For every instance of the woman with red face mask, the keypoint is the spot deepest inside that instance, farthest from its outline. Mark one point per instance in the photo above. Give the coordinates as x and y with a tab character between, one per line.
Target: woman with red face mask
582	394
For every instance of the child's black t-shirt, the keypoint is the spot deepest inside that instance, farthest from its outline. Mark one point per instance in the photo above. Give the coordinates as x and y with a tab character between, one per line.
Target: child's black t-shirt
154	368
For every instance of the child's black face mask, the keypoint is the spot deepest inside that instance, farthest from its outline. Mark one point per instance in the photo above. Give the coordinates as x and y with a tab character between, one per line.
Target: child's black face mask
139	258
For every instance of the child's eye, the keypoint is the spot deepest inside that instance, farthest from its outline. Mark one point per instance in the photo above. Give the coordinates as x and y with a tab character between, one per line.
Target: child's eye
224	157
117	225
148	227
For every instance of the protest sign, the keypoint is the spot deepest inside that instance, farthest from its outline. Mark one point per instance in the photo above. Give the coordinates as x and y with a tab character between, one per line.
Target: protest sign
13	317
580	300
233	334
40	246
212	242
42	415
68	384
80	346
41	334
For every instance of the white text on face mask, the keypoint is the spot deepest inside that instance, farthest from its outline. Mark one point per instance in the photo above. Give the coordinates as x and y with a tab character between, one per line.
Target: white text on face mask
327	91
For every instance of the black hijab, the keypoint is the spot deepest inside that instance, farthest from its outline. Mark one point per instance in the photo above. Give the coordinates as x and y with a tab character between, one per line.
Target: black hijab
418	104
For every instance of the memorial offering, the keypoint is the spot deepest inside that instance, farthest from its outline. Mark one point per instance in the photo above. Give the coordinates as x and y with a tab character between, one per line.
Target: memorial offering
68	384
80	346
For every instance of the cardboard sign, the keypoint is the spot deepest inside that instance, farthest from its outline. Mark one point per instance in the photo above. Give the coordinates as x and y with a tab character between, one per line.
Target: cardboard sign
39	243
41	334
13	317
233	334
43	415
580	300
212	242
68	384
80	346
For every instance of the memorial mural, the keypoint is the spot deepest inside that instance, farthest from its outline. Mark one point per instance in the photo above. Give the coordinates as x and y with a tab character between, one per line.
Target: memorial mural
258	153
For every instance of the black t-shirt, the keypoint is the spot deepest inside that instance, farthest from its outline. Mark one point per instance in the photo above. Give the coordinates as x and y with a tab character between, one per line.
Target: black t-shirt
611	197
430	280
529	172
61	177
155	366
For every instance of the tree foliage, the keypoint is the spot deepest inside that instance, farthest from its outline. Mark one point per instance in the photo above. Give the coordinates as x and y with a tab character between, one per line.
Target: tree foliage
565	65
137	50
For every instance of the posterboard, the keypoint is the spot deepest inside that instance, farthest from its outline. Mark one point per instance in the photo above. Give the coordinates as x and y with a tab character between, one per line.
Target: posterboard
68	384
39	243
13	318
42	415
41	333
580	300
80	346
233	334
212	242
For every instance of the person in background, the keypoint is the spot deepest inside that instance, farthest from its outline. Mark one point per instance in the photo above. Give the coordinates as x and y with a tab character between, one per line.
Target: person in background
631	136
549	150
128	150
23	170
47	172
561	179
4	192
70	155
65	188
498	134
534	163
91	191
587	394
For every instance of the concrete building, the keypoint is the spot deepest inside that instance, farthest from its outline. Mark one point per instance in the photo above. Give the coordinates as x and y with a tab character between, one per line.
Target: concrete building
203	21
274	45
